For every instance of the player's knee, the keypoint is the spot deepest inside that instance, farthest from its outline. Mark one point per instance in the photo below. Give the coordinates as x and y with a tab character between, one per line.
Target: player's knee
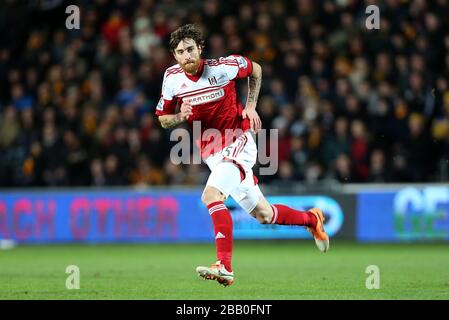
263	211
211	195
207	198
264	216
264	219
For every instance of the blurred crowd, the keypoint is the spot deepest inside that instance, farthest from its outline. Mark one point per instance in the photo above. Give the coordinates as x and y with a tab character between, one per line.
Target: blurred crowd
350	104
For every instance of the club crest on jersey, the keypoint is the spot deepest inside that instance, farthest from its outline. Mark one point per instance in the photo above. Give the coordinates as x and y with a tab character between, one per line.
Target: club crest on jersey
212	81
205	97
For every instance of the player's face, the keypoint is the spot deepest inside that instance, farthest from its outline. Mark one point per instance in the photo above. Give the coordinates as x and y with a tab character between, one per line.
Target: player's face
188	54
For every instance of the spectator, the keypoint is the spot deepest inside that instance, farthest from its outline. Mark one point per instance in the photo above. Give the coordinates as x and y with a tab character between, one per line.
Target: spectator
378	168
9	127
113	174
145	174
97	176
77	107
343	170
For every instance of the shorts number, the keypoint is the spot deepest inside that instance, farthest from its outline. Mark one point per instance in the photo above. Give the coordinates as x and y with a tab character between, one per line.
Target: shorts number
227	151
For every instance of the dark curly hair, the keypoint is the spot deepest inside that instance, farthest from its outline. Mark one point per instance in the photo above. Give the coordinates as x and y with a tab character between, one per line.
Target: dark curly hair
188	31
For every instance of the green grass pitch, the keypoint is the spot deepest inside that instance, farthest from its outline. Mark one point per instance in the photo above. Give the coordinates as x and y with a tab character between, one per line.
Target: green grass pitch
287	270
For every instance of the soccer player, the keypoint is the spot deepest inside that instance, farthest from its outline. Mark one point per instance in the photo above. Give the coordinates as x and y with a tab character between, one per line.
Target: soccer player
205	91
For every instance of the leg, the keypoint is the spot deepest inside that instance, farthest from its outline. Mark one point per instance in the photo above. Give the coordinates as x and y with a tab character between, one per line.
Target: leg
256	204
211	195
224	178
222	220
266	213
263	211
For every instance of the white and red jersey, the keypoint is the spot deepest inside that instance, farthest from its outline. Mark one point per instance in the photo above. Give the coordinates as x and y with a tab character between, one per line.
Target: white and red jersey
213	97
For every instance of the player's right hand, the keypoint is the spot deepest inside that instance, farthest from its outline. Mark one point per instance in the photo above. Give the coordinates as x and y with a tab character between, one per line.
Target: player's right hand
186	110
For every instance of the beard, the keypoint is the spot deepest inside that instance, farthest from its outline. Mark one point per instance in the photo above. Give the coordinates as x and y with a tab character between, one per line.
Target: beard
191	67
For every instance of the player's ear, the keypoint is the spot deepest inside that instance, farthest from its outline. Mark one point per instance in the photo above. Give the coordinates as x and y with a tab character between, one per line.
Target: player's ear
174	56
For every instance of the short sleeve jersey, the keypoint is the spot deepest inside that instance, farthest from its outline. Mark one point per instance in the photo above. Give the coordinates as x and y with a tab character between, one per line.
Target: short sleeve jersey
213	97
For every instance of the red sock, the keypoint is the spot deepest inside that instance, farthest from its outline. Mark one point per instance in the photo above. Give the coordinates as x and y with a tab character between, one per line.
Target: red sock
223	232
286	215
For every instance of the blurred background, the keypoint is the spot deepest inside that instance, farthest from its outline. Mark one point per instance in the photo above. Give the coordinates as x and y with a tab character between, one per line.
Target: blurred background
350	104
363	123
352	107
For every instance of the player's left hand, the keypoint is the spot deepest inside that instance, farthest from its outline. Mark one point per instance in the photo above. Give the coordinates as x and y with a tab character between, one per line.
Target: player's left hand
254	120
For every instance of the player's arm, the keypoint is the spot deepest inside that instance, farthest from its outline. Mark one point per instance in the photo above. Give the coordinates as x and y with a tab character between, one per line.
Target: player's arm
239	67
172	120
254	83
165	109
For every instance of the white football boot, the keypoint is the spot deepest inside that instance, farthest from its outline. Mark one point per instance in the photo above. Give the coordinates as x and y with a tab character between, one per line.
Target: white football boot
216	271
